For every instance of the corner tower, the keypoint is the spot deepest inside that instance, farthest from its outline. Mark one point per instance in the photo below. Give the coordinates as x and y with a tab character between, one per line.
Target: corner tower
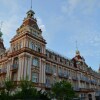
28	47
2	48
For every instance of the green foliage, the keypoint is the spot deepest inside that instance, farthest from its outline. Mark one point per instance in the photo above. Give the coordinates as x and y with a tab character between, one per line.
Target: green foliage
29	92
5	94
8	85
42	95
62	91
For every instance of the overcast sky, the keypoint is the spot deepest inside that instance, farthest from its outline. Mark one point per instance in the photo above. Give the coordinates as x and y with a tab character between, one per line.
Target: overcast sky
62	21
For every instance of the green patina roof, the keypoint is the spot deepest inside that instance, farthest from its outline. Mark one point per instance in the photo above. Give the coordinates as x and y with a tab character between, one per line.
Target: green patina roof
1	34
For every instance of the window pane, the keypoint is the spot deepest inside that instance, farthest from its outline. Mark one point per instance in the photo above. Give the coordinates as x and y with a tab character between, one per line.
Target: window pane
35	62
35	77
32	46
54	69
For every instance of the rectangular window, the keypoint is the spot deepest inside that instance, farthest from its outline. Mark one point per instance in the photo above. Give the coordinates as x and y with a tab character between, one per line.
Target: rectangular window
48	80
54	69
20	45
31	45
60	70
14	76
35	62
35	77
38	48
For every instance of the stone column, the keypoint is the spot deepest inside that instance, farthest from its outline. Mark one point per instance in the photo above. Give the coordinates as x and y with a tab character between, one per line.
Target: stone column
20	68
40	71
29	68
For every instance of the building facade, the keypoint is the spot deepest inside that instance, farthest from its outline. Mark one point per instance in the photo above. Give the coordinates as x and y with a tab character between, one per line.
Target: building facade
28	56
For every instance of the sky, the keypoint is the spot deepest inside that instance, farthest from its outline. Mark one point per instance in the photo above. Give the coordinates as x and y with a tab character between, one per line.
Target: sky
63	22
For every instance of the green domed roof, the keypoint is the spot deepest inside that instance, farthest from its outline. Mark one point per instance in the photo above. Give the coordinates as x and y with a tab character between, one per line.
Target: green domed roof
1	34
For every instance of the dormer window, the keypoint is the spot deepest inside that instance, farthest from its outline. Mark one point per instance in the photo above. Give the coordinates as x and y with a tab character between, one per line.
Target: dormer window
38	48
35	33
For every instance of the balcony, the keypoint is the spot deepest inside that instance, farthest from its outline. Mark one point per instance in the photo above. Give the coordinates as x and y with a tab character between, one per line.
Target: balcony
49	71
3	71
83	79
97	93
74	78
63	75
76	89
87	89
14	67
48	85
87	80
93	82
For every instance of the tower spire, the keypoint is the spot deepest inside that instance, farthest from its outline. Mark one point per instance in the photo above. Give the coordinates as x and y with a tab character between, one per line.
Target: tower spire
31	4
77	51
30	13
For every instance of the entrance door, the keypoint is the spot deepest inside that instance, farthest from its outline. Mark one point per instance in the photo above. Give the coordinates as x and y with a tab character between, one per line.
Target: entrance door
90	96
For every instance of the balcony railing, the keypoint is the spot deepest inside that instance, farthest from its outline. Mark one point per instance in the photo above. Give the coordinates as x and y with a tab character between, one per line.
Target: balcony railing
97	93
63	75
76	88
48	85
49	71
87	89
74	78
83	79
87	80
93	82
14	66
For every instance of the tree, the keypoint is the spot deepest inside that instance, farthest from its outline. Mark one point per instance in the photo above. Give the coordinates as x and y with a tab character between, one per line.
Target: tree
29	92
62	91
8	85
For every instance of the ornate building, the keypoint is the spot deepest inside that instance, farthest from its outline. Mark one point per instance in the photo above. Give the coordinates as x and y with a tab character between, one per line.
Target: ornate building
28	56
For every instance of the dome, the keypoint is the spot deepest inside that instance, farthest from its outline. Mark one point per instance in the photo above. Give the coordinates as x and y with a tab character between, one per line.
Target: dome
1	34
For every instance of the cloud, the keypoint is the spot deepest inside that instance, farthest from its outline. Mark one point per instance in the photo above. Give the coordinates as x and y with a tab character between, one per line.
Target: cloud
41	25
10	5
80	6
69	5
9	15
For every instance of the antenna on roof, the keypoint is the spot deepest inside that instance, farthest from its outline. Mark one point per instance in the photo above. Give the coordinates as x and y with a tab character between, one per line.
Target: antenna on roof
31	4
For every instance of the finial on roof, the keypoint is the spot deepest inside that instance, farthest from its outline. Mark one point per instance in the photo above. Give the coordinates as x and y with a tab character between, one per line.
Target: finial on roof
30	13
77	51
